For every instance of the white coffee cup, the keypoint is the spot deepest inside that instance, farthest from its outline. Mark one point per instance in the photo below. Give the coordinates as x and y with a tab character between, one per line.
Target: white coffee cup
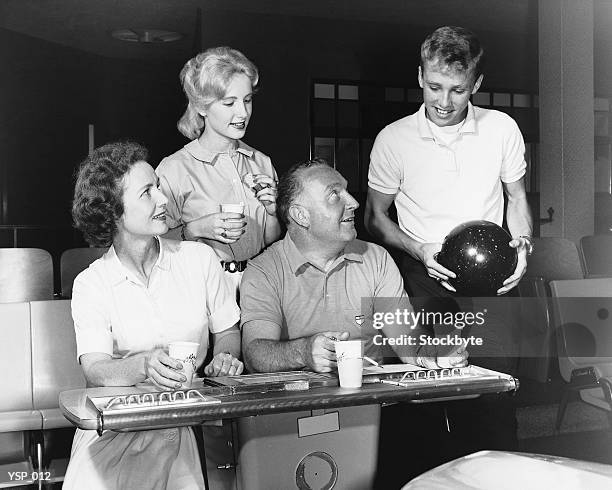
186	353
350	363
233	208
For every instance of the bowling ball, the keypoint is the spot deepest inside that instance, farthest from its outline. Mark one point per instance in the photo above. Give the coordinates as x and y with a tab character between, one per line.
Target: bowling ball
478	252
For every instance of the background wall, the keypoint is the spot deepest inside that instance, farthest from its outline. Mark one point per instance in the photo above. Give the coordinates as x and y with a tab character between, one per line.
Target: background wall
51	93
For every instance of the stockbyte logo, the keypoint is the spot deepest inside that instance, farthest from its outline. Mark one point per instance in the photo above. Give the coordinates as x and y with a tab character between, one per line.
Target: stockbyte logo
359	319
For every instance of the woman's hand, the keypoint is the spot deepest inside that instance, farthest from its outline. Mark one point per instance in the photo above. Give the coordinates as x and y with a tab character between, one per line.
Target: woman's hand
162	370
265	190
222	227
224	364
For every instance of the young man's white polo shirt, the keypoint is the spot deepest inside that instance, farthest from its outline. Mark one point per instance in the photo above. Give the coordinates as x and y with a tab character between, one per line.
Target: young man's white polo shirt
436	186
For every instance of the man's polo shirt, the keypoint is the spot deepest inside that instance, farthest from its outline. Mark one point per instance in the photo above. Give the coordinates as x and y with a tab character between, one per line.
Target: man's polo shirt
187	296
282	287
436	186
196	181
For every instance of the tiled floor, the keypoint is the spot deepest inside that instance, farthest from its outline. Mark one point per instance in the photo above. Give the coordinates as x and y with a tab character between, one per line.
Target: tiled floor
539	420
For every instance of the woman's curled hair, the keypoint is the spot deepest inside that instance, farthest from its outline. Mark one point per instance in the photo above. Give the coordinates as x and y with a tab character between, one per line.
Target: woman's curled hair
98	192
205	78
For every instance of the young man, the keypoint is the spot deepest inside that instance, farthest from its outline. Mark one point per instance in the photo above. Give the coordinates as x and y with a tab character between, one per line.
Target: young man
449	163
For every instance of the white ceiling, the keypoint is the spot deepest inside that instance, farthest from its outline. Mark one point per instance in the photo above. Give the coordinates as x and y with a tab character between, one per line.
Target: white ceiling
86	24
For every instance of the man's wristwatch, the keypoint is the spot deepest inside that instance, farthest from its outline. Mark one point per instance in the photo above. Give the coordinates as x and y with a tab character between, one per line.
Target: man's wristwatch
529	243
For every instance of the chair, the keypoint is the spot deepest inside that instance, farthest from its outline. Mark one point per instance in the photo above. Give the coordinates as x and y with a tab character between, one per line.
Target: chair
54	369
54	363
596	255
581	310
553	258
72	262
26	274
535	329
18	419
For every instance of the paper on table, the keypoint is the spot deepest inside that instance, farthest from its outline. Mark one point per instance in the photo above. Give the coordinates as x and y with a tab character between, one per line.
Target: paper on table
390	368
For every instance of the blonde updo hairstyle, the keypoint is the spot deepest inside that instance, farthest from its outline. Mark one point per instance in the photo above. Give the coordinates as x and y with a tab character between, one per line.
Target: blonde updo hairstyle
205	79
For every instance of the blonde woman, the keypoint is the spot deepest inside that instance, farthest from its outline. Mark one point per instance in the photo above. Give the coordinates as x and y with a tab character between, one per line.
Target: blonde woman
216	167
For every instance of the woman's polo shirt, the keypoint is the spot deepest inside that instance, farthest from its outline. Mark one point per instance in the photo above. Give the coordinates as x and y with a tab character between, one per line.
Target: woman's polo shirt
196	181
116	314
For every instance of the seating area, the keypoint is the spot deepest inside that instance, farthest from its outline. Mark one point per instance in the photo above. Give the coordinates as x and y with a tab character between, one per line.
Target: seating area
38	357
27	274
596	255
72	262
553	259
584	341
566	323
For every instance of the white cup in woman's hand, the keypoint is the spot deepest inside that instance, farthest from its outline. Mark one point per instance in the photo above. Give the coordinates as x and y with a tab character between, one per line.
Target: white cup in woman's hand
233	208
186	353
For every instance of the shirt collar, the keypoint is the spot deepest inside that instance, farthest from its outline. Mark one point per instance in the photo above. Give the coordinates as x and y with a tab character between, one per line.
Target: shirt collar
119	273
469	126
197	151
298	263
163	261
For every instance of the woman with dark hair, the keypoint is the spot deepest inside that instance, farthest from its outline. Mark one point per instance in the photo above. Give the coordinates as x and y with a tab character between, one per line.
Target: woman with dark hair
145	292
216	167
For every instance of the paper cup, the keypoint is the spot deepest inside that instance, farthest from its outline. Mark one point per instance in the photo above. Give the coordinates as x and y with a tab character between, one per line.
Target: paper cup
233	208
348	348
185	352
350	363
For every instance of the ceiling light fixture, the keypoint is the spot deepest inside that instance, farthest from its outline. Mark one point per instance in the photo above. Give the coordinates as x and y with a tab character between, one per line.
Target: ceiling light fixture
146	35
